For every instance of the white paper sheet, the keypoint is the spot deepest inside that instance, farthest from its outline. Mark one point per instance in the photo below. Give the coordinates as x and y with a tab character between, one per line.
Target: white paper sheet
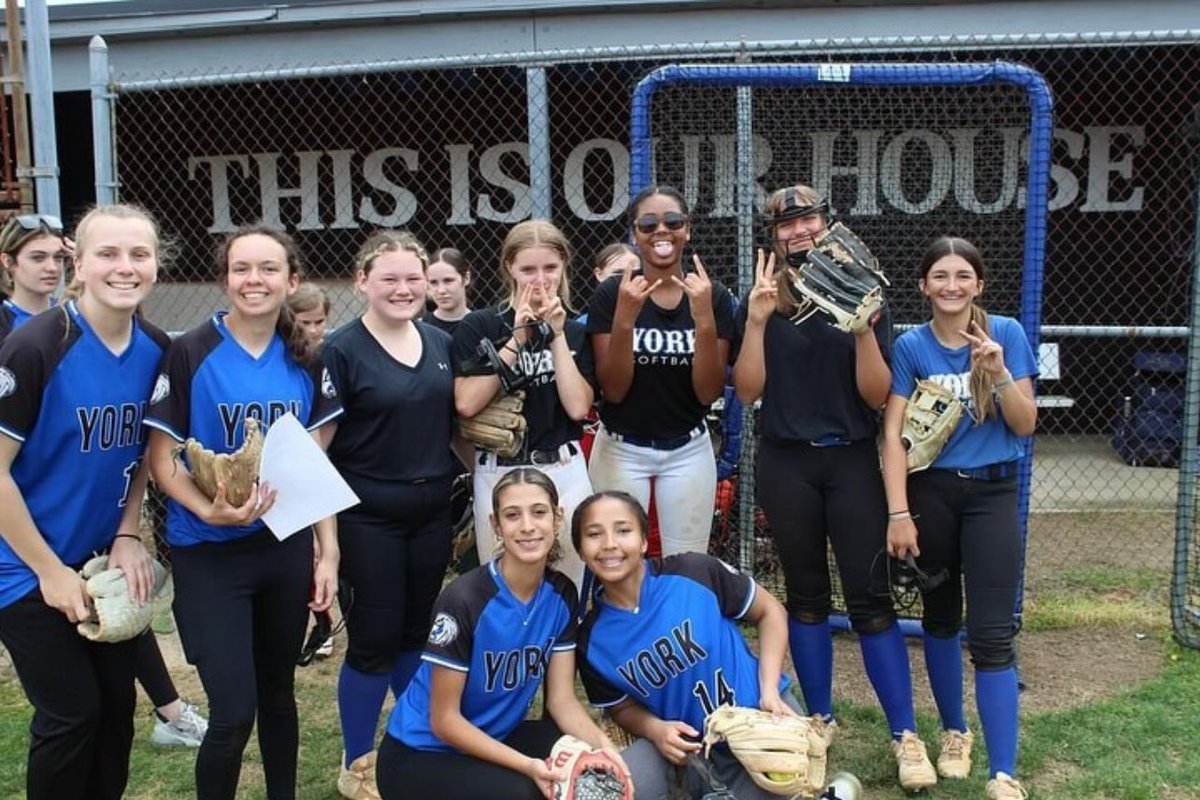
307	487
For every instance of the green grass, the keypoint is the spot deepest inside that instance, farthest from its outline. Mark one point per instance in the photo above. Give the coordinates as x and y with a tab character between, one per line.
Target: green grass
1098	596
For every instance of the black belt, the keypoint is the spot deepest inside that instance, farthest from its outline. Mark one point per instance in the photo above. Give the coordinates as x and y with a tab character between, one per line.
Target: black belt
673	443
540	458
992	472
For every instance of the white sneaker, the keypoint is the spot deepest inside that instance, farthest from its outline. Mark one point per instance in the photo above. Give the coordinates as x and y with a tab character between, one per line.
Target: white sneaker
325	650
186	731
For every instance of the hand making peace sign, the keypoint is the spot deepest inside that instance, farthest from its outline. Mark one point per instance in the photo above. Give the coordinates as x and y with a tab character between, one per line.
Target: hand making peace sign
763	297
986	352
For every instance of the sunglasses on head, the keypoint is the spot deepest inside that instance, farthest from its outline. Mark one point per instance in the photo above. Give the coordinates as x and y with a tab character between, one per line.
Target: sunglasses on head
672	220
31	222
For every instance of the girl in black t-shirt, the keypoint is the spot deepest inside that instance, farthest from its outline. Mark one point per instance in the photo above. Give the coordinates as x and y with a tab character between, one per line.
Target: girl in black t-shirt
661	336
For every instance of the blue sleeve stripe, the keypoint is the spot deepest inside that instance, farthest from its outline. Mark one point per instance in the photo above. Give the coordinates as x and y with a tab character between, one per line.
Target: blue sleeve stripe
159	425
563	648
611	703
749	599
442	662
330	417
10	433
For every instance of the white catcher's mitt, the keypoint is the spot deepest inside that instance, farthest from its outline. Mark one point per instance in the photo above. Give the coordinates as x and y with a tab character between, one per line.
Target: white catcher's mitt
591	774
930	419
783	755
237	470
115	617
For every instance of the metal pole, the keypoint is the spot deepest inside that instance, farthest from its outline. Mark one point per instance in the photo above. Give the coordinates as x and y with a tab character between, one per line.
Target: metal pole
41	92
16	61
102	132
538	105
745	256
1185	617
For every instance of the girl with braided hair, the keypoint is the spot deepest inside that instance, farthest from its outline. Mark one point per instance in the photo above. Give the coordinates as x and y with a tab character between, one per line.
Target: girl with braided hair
242	597
961	514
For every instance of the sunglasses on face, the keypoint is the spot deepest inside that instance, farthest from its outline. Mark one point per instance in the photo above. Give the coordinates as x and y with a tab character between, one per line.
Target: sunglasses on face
672	221
31	222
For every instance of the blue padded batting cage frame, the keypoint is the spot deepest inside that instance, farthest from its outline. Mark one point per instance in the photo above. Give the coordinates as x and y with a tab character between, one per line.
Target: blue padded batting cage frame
744	78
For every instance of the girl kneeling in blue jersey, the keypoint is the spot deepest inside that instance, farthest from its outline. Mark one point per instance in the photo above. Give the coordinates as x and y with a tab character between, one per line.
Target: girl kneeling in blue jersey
661	649
241	595
499	632
73	385
961	514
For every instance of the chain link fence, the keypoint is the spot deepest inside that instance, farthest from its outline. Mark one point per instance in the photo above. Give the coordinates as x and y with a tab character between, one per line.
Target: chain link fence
459	150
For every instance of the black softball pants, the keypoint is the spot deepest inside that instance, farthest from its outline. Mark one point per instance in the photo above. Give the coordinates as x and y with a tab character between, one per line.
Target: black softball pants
395	549
242	608
83	700
971	528
402	772
818	495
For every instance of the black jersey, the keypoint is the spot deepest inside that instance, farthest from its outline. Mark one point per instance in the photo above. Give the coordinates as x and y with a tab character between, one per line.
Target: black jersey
447	325
398	419
76	408
811	393
548	425
661	402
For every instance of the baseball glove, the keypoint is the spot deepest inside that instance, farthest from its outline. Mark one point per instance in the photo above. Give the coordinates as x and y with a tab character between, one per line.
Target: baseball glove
783	755
238	470
930	418
500	427
114	616
840	278
591	774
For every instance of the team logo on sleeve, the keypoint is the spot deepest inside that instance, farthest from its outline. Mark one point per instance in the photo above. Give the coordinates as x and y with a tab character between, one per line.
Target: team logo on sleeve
327	387
162	389
444	630
8	382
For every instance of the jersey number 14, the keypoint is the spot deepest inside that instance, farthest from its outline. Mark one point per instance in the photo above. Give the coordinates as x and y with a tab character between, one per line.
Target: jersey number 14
719	694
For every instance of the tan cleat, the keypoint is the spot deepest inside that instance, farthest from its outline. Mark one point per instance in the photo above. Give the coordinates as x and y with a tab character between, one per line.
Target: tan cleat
1005	787
916	771
357	781
954	758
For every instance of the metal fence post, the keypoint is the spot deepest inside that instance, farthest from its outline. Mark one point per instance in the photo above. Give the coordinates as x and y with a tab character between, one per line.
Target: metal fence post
538	103
102	132
41	93
745	258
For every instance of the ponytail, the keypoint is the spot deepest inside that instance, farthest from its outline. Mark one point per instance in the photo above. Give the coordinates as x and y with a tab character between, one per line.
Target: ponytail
982	382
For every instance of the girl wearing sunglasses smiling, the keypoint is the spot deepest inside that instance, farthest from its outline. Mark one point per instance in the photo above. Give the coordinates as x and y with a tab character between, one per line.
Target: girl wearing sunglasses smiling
661	338
31	265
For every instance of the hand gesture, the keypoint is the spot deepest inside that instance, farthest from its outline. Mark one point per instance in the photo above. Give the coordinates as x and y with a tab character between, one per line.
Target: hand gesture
555	314
257	504
524	314
986	352
671	739
762	299
63	590
130	556
902	537
632	294
698	288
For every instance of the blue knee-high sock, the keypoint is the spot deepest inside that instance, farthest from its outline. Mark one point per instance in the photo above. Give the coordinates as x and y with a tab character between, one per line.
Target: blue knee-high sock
360	699
812	655
403	670
996	699
886	662
944	661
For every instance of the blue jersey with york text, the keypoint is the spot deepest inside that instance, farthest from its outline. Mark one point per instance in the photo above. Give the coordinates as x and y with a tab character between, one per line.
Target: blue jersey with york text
919	355
76	408
210	384
679	653
502	644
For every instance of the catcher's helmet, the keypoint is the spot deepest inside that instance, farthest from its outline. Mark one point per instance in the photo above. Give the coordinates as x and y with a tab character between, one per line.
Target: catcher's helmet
903	579
794	208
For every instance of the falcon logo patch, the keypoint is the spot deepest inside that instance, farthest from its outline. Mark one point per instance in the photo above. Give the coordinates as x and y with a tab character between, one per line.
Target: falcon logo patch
162	389
327	387
8	382
444	630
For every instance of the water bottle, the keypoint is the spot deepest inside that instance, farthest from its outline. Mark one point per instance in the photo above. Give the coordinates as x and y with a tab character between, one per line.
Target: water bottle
844	786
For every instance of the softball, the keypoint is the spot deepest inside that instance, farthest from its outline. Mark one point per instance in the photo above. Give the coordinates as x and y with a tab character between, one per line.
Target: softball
781	777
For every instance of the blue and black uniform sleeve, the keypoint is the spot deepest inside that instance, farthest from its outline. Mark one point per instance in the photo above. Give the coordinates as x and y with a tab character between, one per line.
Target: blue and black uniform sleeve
326	401
452	636
600	692
734	591
566	638
27	359
171	404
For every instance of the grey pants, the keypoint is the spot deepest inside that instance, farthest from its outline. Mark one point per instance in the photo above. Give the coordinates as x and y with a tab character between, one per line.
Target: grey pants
655	778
